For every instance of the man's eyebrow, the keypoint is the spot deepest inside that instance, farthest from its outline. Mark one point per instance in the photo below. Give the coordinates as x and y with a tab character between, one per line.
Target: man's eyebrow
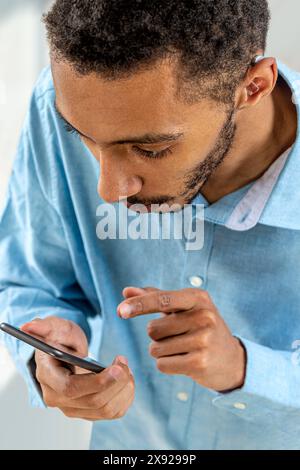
149	138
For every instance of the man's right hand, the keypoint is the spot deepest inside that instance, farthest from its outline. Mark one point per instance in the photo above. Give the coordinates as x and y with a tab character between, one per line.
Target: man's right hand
104	396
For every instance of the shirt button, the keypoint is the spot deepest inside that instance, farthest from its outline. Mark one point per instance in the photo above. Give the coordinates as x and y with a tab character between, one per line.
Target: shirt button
240	406
182	396
196	281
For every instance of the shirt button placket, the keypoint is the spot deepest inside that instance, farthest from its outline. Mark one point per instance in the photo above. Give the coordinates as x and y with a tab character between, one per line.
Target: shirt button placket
184	387
181	408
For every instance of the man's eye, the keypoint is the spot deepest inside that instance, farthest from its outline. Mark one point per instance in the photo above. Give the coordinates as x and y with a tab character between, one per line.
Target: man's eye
151	154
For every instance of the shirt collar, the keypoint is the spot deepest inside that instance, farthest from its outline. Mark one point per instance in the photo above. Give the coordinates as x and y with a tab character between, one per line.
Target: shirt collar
273	199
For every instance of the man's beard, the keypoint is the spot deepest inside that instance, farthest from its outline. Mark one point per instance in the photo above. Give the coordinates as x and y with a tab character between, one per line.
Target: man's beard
199	176
196	178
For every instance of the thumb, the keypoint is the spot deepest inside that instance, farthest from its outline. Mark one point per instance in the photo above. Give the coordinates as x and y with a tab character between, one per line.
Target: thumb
123	361
134	291
120	359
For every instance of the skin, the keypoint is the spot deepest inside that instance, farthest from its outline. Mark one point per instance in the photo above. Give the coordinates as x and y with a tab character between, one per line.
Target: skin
191	338
78	394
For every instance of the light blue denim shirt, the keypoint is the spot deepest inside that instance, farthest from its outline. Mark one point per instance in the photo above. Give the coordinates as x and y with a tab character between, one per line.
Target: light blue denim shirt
53	263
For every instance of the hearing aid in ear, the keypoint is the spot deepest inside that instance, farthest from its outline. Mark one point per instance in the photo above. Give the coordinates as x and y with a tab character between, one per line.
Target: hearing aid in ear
258	58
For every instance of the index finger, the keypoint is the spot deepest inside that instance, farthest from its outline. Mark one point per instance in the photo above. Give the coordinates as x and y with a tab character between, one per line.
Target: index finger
163	301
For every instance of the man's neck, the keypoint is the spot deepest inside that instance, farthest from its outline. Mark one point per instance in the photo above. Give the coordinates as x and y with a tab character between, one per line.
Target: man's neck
263	134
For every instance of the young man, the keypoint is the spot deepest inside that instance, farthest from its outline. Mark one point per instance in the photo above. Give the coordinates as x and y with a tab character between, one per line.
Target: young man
168	103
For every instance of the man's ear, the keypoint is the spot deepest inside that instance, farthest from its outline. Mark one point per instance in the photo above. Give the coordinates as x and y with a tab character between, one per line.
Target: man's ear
260	82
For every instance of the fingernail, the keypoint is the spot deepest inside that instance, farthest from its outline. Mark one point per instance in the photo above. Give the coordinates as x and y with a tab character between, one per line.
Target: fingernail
116	372
123	360
126	310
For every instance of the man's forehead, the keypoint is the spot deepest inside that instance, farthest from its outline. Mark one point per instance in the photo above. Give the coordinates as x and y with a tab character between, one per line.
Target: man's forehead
156	84
133	107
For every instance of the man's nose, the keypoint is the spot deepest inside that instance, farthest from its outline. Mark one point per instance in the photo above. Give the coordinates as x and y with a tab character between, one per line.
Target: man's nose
116	185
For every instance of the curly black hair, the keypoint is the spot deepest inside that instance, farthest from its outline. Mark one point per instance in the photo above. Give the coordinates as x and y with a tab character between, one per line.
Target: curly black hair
210	39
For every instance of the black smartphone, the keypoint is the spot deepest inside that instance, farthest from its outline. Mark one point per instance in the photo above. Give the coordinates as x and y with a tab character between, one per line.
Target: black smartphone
61	353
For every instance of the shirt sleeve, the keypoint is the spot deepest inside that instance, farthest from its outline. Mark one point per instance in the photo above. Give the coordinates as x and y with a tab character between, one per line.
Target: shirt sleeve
270	394
37	278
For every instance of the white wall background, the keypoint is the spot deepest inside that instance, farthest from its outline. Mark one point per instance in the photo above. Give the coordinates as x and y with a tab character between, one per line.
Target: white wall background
22	55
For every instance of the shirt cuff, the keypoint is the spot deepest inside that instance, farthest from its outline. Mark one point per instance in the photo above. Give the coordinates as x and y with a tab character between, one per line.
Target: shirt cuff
267	386
25	364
